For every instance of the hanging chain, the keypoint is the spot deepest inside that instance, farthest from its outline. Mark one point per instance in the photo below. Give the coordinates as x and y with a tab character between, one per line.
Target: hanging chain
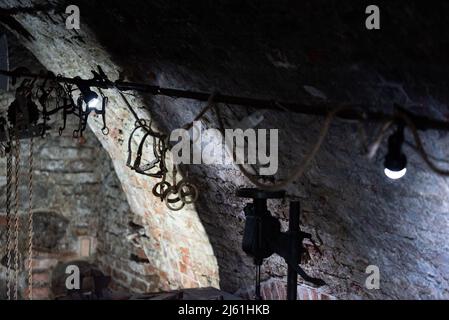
17	218
30	223
8	222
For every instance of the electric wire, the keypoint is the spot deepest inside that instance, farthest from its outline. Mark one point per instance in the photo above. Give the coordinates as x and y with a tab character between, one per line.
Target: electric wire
299	170
372	149
435	158
419	146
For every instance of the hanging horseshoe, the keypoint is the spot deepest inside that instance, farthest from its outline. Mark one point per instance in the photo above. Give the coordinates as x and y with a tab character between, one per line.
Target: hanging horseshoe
137	162
104	103
169	202
188	192
68	105
161	188
173	190
65	112
138	125
82	115
159	159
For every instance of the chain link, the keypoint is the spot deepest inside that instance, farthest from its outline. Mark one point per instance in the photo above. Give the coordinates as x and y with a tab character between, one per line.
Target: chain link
30	223
8	222
17	218
13	220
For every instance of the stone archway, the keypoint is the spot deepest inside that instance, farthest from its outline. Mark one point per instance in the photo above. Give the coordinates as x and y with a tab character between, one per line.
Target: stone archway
168	250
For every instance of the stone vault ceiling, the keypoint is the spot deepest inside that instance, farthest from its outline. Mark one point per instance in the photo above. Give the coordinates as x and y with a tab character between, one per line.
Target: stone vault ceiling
271	49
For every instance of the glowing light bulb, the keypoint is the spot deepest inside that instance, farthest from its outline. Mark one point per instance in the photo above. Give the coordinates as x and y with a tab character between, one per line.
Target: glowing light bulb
89	96
93	103
394	175
395	163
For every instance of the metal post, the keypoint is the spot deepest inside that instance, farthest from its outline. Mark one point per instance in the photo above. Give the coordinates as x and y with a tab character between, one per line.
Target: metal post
293	225
260	207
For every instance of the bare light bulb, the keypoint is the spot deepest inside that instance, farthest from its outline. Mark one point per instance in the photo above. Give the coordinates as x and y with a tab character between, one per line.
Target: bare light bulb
93	103
90	97
394	175
395	163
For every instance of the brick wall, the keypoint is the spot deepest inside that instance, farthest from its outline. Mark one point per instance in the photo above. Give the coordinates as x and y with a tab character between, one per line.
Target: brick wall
80	212
77	196
80	209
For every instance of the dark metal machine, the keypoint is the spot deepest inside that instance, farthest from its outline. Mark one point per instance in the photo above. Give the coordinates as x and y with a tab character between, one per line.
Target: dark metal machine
263	237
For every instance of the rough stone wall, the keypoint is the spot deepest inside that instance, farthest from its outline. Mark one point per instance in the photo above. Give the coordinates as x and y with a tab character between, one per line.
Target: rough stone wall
275	50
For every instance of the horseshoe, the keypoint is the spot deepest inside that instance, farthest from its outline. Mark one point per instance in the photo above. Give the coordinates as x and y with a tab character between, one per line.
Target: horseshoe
170	202
192	192
160	189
